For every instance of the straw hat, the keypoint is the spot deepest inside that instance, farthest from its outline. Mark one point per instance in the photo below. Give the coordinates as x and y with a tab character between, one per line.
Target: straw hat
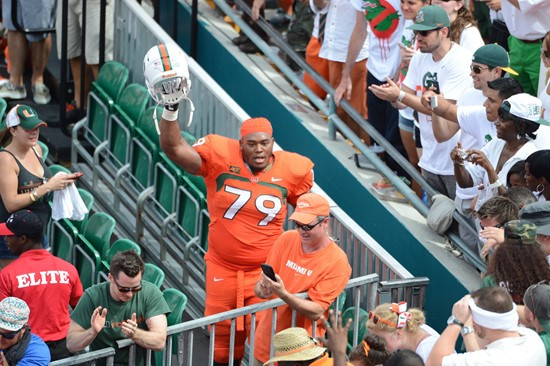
294	344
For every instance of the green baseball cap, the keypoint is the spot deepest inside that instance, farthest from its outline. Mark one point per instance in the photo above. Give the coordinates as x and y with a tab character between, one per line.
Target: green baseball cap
24	116
521	230
431	17
493	55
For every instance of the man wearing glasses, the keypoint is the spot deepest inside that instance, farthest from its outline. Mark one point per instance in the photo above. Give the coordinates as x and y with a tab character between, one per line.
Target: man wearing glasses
305	259
18	346
123	307
443	66
40	279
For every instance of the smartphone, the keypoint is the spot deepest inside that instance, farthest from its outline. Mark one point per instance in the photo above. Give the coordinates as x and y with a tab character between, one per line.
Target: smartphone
435	84
78	175
268	271
433	102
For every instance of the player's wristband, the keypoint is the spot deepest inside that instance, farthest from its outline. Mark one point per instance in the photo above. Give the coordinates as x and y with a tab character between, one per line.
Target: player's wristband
170	112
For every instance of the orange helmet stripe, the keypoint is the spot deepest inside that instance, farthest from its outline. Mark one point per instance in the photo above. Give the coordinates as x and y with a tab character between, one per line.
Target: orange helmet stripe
166	64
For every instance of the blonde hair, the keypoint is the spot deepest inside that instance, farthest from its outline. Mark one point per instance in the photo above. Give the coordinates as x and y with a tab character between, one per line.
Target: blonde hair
383	311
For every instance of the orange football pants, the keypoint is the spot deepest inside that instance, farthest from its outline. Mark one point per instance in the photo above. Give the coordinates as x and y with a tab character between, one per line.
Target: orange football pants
228	289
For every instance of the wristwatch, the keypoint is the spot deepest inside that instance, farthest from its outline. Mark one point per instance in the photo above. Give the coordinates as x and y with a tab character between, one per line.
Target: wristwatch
453	320
466	330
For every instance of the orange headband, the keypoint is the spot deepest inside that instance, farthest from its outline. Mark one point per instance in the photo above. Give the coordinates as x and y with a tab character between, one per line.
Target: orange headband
254	125
366	348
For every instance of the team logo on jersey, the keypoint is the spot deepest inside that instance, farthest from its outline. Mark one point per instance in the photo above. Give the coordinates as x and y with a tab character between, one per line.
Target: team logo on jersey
254	179
234	169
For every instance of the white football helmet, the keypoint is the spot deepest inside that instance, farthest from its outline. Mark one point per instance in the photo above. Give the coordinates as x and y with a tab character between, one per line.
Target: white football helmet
166	74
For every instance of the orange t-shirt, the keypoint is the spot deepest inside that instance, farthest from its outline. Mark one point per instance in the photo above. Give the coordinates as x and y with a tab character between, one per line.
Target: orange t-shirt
247	211
323	274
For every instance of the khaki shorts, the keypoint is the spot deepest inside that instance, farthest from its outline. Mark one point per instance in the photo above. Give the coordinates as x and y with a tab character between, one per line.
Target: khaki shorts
74	30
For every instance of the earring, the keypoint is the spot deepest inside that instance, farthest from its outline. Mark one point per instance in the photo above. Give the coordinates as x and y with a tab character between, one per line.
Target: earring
539	189
518	137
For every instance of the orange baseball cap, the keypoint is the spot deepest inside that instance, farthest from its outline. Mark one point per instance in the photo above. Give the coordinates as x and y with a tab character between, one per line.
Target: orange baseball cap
309	206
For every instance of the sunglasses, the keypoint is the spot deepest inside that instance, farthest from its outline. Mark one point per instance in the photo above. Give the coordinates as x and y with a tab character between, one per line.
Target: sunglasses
307	227
125	290
376	319
424	33
477	69
10	335
545	53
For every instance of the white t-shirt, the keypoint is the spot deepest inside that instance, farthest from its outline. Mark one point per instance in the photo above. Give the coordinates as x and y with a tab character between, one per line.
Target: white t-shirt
526	350
470	38
476	131
338	27
385	32
542	142
453	74
492	150
425	346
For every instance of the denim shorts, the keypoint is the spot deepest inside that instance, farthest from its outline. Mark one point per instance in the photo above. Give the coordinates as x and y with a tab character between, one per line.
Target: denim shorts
406	124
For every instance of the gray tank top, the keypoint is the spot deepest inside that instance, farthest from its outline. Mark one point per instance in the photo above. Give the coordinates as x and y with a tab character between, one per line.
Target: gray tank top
26	182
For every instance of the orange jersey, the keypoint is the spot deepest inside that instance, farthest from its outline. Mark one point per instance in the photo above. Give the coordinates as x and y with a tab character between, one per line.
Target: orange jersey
323	274
247	211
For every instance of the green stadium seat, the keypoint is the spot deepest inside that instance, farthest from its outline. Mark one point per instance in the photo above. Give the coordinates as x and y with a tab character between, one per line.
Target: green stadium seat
177	301
362	329
120	245
153	274
128	110
87	261
98	232
3	107
63	237
55	168
88	200
341	301
146	124
45	150
104	94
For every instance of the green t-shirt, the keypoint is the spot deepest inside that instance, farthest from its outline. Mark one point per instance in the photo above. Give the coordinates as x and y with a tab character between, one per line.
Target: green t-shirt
546	340
146	304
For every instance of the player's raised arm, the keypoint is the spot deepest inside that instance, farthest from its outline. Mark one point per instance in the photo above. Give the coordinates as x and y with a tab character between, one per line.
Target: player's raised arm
167	78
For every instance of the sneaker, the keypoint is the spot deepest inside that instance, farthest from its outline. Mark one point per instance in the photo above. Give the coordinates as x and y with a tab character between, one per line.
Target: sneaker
41	93
10	91
384	190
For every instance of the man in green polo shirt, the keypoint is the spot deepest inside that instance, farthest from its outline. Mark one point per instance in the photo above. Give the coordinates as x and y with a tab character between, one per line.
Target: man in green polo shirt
123	307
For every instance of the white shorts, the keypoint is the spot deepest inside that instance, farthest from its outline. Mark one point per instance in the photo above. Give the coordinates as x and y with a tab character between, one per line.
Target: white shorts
74	30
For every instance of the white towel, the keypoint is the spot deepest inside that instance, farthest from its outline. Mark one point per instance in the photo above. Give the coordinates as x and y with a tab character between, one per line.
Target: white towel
67	204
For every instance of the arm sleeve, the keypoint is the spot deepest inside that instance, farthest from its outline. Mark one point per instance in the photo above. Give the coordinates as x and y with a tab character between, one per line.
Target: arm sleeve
331	286
82	313
357	5
468	118
156	305
303	186
204	147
